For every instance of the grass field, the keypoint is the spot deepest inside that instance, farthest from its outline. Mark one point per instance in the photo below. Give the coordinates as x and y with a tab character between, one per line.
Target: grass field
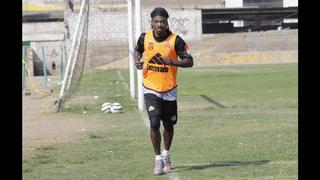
235	122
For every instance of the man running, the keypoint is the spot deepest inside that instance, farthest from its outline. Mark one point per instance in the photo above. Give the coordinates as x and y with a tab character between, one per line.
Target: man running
164	53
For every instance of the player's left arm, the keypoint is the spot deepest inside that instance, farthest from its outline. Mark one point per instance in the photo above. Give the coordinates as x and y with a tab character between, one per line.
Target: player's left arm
182	50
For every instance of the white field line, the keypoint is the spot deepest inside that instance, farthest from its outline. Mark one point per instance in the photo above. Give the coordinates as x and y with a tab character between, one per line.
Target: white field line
121	79
283	162
172	175
143	115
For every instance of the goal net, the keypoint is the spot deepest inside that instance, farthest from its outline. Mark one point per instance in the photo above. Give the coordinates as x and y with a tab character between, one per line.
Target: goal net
77	57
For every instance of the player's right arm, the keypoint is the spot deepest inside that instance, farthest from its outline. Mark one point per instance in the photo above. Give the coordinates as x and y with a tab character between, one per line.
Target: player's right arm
138	62
139	51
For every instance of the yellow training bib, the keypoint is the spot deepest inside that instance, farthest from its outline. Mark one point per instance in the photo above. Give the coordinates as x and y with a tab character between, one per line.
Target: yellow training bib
156	75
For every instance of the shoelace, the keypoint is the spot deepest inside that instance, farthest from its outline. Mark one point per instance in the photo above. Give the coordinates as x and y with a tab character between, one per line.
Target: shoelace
167	159
158	163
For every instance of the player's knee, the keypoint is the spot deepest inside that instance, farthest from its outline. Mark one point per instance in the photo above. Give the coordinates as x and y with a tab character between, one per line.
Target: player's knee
168	127
155	123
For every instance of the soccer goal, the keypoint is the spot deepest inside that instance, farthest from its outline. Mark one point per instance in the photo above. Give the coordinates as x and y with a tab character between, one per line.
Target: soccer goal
77	57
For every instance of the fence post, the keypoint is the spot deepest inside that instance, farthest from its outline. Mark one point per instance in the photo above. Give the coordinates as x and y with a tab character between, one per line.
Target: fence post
44	69
23	68
61	63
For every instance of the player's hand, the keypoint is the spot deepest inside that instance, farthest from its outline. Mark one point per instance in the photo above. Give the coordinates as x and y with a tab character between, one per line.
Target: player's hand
167	61
139	64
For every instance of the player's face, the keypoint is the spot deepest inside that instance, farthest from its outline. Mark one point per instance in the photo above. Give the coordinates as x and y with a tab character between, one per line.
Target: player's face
159	24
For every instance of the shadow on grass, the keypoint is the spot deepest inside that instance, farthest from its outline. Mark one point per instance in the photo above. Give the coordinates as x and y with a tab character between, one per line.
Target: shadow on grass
218	164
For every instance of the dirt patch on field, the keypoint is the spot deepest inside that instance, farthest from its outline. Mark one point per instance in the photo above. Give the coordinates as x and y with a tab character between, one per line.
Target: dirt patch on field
42	126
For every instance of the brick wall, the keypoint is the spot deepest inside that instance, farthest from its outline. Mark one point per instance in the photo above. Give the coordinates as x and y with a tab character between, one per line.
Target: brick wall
108	31
186	23
112	25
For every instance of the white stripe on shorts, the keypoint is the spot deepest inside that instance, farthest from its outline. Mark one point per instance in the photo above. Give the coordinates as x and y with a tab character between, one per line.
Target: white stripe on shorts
167	96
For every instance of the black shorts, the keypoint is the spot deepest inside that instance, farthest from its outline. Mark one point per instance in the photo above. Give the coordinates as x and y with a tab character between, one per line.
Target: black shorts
166	110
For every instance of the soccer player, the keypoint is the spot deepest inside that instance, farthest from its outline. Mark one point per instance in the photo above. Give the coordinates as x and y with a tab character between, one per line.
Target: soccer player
164	53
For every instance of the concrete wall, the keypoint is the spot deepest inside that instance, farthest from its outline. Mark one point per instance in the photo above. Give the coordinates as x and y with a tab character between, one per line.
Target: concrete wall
246	48
53	55
290	3
233	3
50	36
43	31
252	57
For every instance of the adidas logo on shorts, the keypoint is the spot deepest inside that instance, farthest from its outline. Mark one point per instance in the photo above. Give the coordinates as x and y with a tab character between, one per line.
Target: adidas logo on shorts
151	108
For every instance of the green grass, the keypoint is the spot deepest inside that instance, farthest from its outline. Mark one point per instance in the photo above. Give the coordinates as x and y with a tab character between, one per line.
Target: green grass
253	137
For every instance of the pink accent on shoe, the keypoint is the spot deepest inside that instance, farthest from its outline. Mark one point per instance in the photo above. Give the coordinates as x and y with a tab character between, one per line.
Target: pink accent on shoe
167	163
168	168
157	171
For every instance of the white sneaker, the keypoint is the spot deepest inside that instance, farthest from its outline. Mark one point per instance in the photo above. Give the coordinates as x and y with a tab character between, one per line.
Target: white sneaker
158	167
167	163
